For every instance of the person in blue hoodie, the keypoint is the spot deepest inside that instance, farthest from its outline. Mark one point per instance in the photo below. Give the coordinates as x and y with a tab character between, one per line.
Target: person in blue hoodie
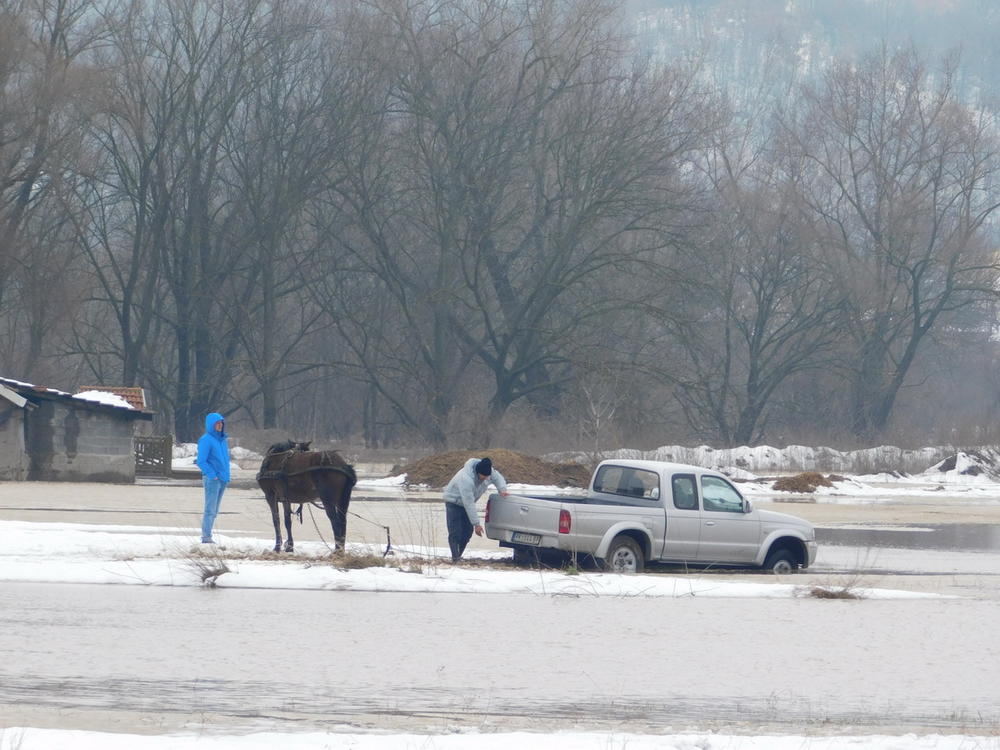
460	497
213	460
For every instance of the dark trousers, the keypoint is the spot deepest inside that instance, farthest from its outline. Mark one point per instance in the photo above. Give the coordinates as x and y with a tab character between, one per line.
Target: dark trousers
459	529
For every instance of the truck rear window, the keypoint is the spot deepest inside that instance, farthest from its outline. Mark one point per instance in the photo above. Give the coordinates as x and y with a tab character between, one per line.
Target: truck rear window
625	480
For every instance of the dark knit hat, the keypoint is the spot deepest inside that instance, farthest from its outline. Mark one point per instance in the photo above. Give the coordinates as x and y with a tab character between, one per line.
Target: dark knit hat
484	467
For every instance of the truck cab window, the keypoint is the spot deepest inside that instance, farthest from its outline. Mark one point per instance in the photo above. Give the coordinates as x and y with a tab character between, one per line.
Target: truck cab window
685	497
718	495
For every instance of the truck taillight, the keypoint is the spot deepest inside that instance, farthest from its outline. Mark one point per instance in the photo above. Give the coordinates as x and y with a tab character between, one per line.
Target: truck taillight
564	521
488	502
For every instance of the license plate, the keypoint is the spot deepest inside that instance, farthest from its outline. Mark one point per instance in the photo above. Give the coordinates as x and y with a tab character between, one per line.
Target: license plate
522	538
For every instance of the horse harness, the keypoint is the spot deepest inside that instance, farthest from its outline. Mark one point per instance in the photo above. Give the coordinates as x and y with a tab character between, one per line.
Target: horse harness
281	473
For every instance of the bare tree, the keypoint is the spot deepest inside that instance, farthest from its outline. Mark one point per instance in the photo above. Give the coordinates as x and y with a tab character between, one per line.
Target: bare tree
122	230
758	311
523	153
899	181
279	147
45	95
164	232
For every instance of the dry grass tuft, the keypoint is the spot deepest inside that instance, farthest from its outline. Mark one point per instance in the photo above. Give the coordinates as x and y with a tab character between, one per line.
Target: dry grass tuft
208	568
346	561
840	592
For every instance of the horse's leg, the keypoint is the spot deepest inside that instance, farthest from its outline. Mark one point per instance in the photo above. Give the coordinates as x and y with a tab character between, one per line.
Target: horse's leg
289	543
344	502
336	495
272	501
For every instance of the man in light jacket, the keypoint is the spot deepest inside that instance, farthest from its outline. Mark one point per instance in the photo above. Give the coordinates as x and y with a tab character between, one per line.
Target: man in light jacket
213	460
460	497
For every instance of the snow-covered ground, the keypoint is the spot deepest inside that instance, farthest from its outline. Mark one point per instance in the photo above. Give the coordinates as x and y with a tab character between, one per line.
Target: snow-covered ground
135	555
18	738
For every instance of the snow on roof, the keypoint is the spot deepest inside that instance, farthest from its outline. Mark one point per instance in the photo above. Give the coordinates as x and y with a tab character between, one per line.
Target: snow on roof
104	397
32	386
133	395
98	397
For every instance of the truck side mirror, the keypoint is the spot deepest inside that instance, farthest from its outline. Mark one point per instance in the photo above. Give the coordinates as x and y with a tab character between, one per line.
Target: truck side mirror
747	506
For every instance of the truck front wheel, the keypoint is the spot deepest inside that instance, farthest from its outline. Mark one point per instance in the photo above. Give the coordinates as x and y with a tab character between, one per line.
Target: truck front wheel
624	556
781	562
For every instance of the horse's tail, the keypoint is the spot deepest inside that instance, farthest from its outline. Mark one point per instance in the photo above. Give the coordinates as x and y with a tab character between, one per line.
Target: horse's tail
352	477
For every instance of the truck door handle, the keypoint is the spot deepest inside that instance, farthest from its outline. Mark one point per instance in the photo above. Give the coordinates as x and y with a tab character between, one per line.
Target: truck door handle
710	523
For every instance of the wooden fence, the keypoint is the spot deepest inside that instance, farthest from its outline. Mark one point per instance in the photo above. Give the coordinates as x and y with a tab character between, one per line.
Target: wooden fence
153	455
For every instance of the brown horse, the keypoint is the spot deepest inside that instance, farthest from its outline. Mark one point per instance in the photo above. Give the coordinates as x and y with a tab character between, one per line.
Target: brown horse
291	473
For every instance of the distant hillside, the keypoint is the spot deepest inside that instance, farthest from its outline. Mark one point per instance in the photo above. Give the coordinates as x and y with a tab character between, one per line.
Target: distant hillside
781	38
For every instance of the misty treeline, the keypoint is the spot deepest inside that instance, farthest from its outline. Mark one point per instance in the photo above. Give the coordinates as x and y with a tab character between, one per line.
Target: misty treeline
483	222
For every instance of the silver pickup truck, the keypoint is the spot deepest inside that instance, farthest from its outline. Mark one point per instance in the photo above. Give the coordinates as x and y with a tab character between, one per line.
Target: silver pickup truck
638	511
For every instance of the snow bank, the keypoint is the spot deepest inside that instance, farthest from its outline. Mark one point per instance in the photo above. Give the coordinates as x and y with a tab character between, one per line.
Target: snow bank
792	459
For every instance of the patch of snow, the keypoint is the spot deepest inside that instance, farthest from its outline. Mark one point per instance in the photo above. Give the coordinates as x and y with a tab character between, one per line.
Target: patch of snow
396	481
967	467
244	454
185	450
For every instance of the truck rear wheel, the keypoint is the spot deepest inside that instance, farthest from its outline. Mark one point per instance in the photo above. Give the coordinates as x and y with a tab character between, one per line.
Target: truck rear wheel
526	556
624	556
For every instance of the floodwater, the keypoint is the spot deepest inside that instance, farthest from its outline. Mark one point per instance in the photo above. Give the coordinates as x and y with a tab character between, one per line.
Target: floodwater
131	658
955	536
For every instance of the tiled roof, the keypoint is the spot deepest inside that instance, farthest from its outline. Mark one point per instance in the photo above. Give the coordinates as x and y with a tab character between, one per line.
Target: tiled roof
134	395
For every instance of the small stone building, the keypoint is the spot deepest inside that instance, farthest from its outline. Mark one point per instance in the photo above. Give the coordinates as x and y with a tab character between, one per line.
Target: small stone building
133	395
50	435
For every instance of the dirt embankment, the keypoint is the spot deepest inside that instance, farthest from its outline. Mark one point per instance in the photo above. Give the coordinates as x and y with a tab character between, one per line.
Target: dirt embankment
436	470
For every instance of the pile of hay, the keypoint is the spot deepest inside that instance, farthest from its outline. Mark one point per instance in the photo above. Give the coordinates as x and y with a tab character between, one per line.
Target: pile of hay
436	470
807	481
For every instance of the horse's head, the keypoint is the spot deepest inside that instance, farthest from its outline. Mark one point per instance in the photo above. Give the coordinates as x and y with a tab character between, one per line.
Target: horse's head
289	445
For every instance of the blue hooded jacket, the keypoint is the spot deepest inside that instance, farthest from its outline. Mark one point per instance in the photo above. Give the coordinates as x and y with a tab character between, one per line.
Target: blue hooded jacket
213	449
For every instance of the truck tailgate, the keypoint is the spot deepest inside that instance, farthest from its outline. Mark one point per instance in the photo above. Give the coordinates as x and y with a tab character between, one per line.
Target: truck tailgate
522	520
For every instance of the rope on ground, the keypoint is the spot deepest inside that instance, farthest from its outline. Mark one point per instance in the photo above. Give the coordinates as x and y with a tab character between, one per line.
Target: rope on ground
316	526
388	537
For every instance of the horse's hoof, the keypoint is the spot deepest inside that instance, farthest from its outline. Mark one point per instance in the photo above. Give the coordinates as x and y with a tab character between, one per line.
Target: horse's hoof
289	548
277	548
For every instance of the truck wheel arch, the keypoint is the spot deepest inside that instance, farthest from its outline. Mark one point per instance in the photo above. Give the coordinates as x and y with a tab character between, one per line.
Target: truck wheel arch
639	535
788	548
